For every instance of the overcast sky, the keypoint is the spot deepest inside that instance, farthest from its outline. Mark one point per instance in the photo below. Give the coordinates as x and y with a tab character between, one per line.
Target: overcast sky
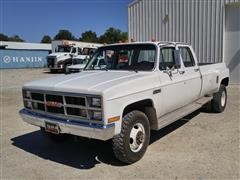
31	19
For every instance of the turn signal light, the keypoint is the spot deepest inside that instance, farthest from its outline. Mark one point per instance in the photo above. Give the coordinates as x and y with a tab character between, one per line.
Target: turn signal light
113	119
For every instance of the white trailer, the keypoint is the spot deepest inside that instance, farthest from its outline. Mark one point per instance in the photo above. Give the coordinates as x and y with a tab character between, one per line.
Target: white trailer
57	43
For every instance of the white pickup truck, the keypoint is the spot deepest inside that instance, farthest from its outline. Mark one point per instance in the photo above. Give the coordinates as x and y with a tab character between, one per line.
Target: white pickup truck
138	87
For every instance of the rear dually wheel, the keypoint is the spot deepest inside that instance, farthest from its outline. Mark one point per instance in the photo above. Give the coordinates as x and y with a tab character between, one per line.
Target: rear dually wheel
219	100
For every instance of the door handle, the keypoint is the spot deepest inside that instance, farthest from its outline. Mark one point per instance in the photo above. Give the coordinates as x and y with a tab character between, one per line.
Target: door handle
181	72
157	91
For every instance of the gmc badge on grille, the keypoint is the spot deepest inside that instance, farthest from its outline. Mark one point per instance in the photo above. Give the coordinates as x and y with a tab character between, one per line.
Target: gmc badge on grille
54	104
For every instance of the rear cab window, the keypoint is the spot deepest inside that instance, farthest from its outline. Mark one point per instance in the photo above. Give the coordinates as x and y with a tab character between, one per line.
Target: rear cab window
187	56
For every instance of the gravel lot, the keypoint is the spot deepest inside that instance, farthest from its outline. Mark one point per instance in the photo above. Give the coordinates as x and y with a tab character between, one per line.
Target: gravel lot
201	146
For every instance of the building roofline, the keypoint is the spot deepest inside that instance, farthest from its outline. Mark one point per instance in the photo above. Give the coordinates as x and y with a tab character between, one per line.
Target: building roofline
133	2
25	45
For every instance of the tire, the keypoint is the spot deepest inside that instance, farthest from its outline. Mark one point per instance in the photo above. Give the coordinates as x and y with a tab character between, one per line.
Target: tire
66	70
53	70
131	144
219	100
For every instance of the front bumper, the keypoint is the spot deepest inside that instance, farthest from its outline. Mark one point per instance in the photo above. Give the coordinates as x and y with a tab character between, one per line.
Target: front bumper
56	67
66	126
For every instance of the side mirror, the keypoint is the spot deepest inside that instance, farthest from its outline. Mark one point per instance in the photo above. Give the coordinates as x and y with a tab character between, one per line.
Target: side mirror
177	59
168	72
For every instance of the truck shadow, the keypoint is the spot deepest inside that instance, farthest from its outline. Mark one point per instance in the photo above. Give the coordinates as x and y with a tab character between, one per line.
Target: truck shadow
156	135
82	153
54	72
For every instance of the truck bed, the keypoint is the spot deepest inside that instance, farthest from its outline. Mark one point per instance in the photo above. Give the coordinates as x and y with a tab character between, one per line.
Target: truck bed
210	73
203	64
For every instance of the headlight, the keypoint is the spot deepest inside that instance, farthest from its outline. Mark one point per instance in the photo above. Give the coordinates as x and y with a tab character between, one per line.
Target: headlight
26	94
96	115
95	102
35	105
27	104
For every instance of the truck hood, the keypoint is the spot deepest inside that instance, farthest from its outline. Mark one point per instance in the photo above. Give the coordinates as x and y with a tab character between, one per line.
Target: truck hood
58	54
111	84
81	56
77	66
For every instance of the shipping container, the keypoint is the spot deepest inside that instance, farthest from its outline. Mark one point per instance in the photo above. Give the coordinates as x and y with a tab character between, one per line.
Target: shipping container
23	55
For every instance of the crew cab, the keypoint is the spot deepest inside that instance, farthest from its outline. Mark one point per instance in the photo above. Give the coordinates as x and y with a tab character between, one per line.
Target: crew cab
138	87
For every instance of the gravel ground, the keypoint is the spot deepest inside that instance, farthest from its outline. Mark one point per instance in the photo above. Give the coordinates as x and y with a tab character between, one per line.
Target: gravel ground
201	146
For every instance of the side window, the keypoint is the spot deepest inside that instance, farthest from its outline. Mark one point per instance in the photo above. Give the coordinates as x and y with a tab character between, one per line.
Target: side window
74	50
167	58
187	57
79	51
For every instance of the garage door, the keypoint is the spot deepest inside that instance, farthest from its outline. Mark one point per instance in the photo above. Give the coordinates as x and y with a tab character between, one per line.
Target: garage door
232	41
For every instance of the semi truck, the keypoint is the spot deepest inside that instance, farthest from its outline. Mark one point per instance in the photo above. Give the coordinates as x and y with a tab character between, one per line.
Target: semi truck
64	53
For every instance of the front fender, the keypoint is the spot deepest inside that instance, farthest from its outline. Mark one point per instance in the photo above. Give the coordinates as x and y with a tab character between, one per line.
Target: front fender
115	107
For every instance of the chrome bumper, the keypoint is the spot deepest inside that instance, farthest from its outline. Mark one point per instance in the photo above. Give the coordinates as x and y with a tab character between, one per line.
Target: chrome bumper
67	127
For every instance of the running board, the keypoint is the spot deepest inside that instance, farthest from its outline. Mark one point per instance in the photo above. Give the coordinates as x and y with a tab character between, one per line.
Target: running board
182	112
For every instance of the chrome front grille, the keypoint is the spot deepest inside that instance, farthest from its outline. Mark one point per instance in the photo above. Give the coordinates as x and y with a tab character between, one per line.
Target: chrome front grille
51	61
73	105
75	100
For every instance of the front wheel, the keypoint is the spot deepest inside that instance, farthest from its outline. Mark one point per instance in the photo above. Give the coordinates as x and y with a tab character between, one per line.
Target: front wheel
53	70
219	100
131	144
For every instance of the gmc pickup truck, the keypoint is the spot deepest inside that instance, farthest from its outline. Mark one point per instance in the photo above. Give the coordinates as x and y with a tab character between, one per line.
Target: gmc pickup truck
136	88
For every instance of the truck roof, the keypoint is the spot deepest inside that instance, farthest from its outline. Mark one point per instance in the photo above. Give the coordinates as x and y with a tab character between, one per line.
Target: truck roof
157	43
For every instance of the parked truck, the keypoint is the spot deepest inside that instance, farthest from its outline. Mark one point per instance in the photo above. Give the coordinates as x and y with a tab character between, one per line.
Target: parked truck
65	53
137	87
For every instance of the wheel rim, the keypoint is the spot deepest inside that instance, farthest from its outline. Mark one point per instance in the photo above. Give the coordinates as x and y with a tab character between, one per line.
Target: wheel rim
137	137
223	98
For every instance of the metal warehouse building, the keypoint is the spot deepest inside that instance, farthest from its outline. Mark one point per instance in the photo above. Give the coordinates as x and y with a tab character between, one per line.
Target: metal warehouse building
212	27
23	55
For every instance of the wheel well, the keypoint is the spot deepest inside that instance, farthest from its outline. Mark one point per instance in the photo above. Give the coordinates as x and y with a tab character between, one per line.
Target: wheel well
146	106
225	81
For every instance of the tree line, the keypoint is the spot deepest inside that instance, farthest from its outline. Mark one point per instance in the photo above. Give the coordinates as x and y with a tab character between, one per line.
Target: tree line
14	38
111	35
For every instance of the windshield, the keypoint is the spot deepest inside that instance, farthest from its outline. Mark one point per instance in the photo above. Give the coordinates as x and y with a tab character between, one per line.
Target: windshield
124	57
88	51
73	50
63	49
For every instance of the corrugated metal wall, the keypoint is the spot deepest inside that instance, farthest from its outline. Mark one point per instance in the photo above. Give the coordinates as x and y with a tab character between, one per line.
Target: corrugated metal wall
198	22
